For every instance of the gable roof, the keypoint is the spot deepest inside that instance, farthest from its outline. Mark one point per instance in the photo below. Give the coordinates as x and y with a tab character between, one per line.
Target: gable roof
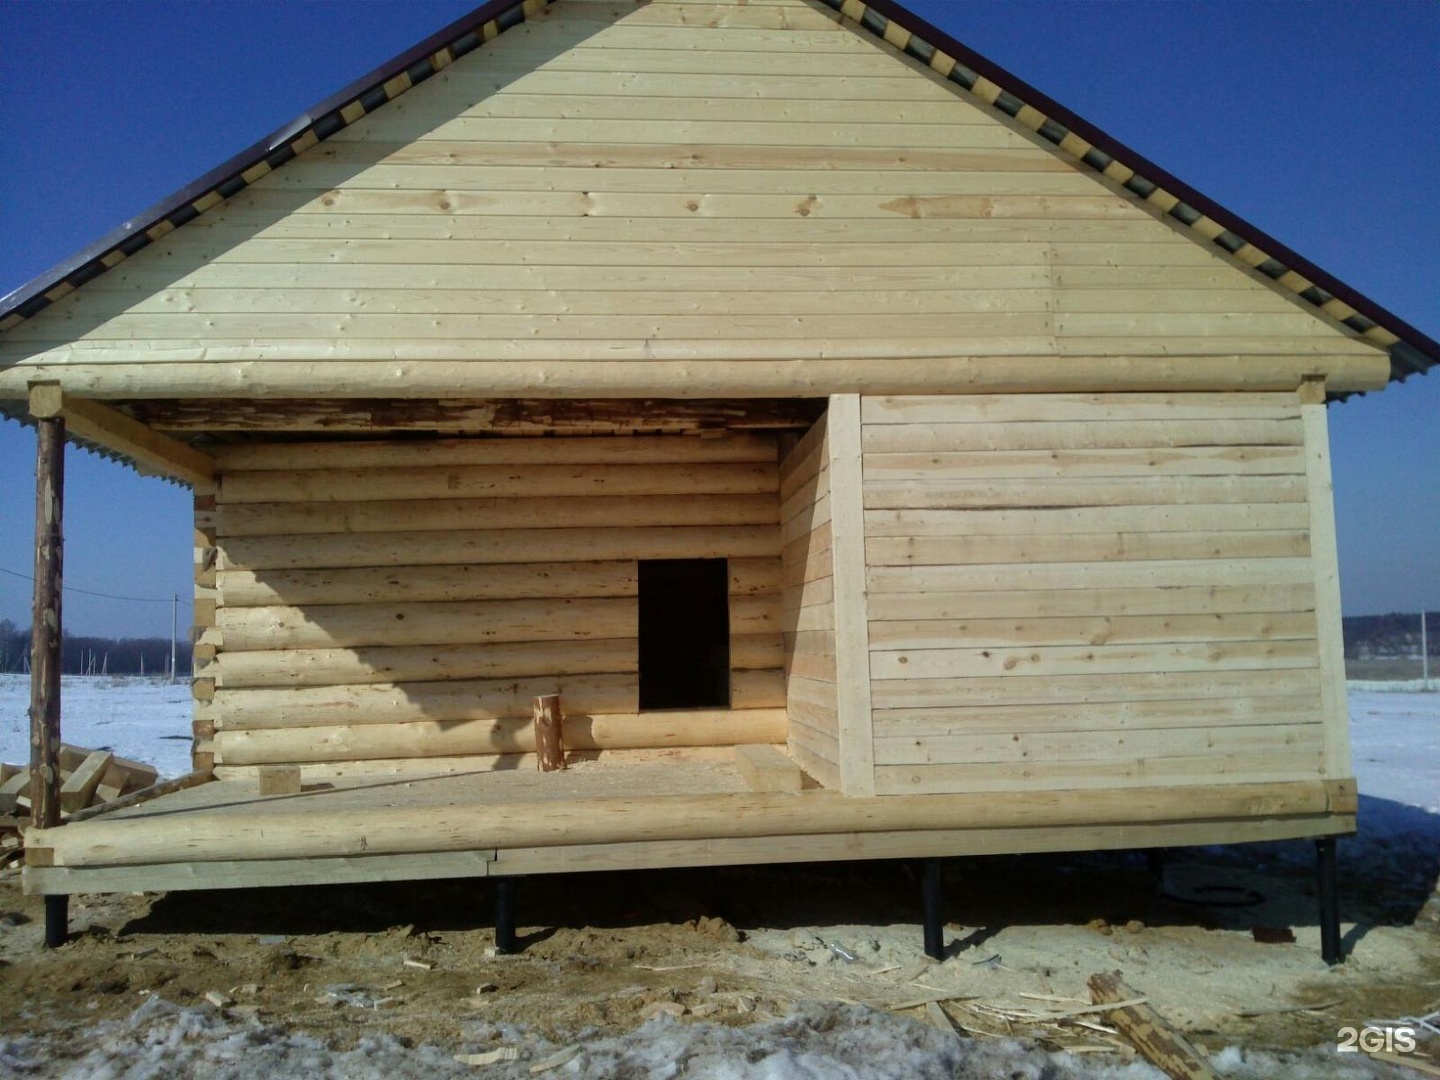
1410	351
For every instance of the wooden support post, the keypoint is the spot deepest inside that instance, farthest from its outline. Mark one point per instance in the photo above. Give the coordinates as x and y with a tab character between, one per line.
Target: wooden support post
933	902
1155	866
549	733
1327	879
505	916
57	921
45	624
1157	1041
45	645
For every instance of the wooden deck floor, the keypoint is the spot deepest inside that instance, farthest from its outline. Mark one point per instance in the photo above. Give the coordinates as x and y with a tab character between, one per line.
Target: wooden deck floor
657	809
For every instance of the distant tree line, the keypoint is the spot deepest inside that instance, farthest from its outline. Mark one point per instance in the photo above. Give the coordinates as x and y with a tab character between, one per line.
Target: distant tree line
95	655
1373	637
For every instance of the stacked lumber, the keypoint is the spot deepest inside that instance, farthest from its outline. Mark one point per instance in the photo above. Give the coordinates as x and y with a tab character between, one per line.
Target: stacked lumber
87	778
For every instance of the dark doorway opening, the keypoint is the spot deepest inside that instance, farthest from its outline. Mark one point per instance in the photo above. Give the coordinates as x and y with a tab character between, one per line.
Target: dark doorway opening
684	633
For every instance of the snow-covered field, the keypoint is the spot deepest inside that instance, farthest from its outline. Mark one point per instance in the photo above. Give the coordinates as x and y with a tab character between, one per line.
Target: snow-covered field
143	718
1396	743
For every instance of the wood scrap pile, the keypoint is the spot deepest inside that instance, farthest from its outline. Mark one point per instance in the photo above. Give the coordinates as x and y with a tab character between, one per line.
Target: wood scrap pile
88	778
1118	1020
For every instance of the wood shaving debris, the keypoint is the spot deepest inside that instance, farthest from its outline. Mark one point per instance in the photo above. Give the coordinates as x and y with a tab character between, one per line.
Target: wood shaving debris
554	1061
423	965
1247	1013
918	1003
489	1057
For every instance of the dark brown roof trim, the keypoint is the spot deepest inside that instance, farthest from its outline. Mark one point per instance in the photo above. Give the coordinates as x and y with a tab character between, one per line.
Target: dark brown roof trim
336	112
1411	352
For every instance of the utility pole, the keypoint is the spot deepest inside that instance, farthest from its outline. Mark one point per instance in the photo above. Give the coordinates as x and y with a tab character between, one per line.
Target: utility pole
1424	650
174	610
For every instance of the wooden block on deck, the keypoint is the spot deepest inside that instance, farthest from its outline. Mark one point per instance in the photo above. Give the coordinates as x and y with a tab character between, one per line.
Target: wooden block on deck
765	768
280	780
79	787
15	790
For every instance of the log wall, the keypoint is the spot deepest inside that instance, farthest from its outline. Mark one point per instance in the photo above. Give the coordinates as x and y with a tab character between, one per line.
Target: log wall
809	607
408	599
1090	591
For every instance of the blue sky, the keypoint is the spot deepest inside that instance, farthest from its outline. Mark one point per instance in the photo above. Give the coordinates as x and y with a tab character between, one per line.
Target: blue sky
1307	119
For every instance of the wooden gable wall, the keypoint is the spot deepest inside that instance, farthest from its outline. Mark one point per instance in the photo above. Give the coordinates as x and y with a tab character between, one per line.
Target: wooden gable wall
700	183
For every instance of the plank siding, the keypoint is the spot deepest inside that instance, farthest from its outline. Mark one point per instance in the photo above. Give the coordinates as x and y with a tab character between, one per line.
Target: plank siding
807	568
1077	591
371	596
651	183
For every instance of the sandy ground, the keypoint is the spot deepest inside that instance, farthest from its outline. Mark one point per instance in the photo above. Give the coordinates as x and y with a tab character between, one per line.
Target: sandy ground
778	972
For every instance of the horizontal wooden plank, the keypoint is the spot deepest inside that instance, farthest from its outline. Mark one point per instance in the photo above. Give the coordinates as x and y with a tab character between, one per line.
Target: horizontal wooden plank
508	299
1094	630
504	735
812	665
293	831
416	328
1074	547
476	702
963	721
427	514
416	664
1081	748
1055	660
422	584
818	616
435	453
903	522
961	493
1292	765
1077	435
623	855
808	594
757	614
1121	408
1109	687
326	626
1087	576
422	279
753	652
1001	601
763	689
498	481
498	546
1087	463
815	702
754	577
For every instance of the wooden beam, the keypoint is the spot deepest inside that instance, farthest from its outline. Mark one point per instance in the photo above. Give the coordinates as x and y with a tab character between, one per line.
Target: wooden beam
1157	1041
318	829
692	370
475	416
852	629
45	629
144	795
79	787
123	434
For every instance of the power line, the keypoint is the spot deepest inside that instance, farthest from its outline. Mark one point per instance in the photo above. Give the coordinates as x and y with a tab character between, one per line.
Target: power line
89	592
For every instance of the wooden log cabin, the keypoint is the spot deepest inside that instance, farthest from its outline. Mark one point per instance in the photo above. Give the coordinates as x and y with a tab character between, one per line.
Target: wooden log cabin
878	460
